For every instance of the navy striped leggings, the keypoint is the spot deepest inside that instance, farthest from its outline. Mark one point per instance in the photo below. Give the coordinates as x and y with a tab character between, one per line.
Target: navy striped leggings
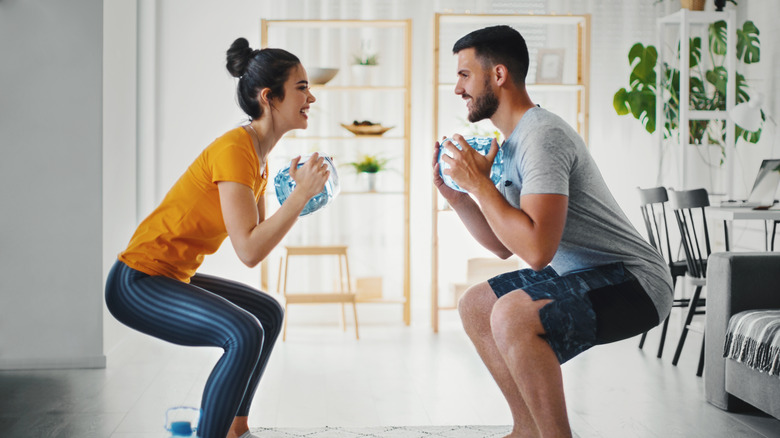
209	311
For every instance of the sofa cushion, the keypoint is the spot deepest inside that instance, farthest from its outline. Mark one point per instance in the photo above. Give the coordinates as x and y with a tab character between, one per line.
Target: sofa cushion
753	338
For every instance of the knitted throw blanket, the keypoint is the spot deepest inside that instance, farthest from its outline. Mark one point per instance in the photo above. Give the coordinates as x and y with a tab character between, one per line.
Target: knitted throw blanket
753	338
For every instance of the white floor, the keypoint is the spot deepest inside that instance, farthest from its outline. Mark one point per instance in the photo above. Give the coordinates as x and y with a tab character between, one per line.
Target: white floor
393	376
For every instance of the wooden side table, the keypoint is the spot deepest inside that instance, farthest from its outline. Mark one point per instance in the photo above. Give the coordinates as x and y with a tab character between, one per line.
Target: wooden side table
344	295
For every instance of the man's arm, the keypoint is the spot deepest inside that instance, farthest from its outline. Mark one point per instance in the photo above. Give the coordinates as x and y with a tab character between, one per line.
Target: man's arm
469	213
533	232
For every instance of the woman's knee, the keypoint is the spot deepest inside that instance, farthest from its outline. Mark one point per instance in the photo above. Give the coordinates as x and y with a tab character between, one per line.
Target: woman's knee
275	321
279	313
248	334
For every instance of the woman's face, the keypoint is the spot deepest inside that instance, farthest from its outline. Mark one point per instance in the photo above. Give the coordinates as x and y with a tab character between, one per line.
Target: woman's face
292	112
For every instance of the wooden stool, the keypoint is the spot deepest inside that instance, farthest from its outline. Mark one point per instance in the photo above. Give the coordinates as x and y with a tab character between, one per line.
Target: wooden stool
345	295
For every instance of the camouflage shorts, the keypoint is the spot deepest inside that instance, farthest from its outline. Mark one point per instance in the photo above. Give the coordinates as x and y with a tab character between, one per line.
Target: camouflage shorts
569	321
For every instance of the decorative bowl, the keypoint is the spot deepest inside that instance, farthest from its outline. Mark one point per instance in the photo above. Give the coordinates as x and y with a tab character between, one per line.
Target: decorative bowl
375	129
321	76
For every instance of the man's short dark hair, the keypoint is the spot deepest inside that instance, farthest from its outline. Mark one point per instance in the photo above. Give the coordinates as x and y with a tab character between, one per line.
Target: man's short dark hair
498	45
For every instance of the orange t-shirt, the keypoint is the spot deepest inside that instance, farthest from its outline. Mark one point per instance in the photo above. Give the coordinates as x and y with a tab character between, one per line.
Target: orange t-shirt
173	240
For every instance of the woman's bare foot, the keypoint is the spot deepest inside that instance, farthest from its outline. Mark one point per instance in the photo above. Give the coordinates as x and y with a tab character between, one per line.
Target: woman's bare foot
239	428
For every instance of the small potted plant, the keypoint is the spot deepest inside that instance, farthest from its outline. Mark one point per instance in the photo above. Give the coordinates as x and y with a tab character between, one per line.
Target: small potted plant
370	165
366	59
364	65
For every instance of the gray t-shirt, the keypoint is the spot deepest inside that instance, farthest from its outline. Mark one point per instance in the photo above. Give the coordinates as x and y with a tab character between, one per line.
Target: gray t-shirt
544	155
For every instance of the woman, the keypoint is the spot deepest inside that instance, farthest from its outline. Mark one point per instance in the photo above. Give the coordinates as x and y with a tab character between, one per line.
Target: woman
153	286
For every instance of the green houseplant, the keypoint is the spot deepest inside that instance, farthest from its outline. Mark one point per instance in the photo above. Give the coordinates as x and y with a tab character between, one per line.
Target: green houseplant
366	59
707	85
370	165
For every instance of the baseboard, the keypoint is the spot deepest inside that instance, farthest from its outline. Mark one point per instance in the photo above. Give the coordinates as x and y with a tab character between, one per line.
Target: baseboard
53	363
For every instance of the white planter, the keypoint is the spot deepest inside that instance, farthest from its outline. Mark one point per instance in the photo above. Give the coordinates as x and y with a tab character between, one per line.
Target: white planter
364	75
370	181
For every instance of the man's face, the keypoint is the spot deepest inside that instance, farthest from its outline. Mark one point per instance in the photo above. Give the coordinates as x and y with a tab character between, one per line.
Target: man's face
474	86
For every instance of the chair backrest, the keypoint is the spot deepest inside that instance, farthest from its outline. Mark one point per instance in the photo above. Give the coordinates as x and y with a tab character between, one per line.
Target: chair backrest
688	206
652	204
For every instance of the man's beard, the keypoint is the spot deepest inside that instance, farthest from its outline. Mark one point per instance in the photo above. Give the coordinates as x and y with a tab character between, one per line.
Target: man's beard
484	106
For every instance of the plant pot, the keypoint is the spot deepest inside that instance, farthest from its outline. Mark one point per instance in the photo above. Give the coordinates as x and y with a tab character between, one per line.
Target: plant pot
693	5
370	181
363	75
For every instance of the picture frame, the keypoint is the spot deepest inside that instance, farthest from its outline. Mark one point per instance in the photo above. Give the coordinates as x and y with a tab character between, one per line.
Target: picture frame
549	66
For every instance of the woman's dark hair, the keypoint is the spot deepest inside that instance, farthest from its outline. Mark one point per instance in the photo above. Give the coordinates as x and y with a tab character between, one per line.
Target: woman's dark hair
498	45
258	69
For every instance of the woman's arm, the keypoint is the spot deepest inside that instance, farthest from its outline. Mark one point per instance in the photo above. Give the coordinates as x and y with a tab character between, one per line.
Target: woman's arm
253	237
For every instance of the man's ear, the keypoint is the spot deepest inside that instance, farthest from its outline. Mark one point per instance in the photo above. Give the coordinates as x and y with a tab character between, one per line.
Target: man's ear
501	74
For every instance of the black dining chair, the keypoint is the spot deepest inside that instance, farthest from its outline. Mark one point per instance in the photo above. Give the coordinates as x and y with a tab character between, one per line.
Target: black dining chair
652	204
689	211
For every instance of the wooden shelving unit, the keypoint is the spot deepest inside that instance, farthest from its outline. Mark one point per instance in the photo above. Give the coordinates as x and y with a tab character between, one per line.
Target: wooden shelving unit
332	43
569	98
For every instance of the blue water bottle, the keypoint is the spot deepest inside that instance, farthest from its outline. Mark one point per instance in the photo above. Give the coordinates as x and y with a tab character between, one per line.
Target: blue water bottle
479	144
284	185
182	421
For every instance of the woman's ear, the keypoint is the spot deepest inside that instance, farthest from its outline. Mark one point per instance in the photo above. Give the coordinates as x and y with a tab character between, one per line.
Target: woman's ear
264	96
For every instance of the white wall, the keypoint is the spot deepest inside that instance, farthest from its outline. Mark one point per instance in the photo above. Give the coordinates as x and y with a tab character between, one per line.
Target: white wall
120	139
50	174
186	98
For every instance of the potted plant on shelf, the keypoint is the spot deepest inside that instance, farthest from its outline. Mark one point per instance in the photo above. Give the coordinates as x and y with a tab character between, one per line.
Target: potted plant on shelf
370	165
364	65
707	88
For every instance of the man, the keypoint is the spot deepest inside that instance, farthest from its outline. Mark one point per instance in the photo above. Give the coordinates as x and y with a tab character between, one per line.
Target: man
592	278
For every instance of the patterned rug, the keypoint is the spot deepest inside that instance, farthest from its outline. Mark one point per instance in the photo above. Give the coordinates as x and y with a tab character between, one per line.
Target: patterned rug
388	431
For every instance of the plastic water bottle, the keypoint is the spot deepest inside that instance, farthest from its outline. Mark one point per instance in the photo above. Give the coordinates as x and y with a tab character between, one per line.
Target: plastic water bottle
284	185
479	144
182	421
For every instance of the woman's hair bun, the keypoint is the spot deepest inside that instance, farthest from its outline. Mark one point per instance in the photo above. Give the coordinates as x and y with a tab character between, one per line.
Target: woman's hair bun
238	56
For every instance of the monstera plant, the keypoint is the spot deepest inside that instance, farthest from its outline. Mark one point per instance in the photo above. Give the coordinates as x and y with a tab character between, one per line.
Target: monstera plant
707	85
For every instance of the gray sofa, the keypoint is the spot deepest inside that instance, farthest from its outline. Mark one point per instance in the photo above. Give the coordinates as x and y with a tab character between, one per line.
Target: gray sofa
738	282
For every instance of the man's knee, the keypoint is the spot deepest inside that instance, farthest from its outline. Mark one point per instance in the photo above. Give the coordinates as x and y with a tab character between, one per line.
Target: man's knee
475	305
516	315
478	298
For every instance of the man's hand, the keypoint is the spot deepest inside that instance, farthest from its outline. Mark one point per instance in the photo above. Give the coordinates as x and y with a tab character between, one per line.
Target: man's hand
448	193
468	168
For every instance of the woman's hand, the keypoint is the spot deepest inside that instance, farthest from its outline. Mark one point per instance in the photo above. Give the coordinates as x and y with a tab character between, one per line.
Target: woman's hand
311	177
253	236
